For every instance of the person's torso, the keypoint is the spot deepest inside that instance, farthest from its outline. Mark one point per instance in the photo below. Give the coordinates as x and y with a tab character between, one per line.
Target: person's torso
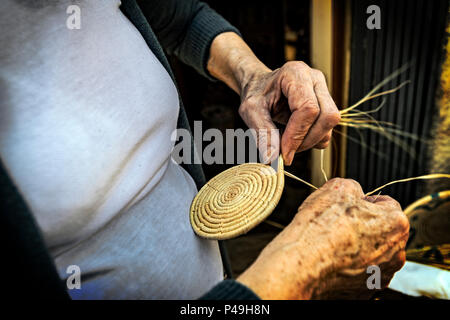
86	118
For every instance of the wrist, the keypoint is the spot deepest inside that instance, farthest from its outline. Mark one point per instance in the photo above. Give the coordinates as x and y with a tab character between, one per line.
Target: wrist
248	70
289	272
278	284
233	62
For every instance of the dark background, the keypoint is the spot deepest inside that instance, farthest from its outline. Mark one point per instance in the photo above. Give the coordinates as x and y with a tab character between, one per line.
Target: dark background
412	34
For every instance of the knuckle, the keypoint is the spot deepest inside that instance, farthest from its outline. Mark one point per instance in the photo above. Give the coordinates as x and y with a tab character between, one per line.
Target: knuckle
328	121
342	182
243	111
319	75
331	183
399	220
332	119
311	109
345	186
403	222
252	101
336	180
297	137
298	65
350	183
393	203
248	105
350	186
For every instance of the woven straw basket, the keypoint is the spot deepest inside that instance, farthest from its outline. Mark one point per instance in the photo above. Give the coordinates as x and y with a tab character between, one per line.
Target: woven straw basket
236	200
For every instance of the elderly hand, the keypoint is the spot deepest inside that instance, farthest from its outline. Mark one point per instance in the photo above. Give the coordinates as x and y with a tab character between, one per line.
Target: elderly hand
294	94
326	250
297	96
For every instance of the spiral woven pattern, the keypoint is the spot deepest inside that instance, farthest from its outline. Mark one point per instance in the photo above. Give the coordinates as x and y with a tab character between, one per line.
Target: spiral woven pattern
236	200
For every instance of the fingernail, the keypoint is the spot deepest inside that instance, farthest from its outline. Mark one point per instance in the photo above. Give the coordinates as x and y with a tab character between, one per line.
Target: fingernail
272	153
266	158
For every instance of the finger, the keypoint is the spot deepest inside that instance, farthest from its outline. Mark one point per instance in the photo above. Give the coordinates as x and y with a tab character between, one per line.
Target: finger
325	142
384	200
257	117
395	263
339	188
399	219
296	129
297	87
389	268
398	260
329	115
344	185
395	217
385	251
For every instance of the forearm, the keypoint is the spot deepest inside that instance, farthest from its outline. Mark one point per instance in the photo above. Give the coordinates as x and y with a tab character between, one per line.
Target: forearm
233	62
290	267
271	283
186	29
272	286
229	290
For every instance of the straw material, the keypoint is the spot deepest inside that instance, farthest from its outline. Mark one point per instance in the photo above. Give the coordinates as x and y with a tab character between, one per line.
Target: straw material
236	200
426	200
425	177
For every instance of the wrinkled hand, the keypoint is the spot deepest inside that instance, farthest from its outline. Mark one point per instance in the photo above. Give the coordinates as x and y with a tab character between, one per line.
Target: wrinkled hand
326	249
295	95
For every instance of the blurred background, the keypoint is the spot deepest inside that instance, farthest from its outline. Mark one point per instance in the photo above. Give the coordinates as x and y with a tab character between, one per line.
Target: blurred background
332	35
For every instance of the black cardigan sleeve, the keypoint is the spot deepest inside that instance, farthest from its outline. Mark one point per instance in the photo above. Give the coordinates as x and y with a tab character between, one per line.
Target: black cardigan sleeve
230	290
186	29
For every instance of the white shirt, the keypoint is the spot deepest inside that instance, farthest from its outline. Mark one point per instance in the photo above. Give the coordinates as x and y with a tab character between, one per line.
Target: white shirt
85	123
